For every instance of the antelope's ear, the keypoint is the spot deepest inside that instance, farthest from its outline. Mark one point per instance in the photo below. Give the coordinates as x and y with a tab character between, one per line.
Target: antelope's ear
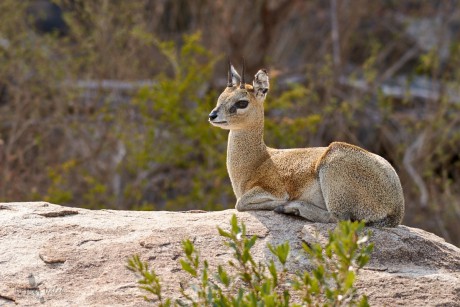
234	77
261	84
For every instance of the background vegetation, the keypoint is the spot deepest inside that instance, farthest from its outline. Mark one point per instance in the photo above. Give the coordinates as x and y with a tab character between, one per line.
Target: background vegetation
103	104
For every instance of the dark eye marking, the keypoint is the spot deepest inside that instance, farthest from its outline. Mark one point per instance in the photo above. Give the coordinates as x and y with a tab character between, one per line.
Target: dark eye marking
241	104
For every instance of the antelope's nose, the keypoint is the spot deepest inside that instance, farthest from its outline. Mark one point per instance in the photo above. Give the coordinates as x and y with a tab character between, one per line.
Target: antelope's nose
213	115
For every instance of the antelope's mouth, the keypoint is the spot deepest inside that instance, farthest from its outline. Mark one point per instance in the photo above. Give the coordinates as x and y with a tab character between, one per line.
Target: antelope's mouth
218	123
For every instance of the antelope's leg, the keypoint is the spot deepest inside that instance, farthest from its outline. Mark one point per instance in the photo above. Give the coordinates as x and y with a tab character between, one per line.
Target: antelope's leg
258	199
307	211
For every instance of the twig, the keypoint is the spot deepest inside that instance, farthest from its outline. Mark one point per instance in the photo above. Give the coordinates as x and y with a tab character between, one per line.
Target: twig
109	84
442	227
407	161
409	55
335	34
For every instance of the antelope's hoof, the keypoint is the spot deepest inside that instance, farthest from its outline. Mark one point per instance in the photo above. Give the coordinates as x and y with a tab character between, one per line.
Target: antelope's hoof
286	209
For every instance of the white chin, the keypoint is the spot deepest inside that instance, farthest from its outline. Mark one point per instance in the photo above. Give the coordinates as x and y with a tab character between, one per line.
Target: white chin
221	125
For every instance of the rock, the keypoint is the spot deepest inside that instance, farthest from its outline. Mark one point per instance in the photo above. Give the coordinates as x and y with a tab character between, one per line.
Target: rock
58	256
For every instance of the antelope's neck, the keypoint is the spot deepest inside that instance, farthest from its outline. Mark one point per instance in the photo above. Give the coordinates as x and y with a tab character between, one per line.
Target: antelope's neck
245	152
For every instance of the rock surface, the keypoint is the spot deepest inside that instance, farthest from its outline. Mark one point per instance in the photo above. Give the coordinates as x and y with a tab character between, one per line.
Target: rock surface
61	256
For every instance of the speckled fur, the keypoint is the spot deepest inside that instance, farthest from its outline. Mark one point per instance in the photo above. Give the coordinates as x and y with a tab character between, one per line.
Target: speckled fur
322	184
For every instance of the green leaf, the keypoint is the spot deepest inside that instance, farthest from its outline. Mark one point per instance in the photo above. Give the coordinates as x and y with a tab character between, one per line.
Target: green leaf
281	251
246	256
250	243
349	280
246	277
223	233
363	302
286	296
319	272
234	224
188	268
273	272
188	247
223	276
314	285
330	294
362	260
204	277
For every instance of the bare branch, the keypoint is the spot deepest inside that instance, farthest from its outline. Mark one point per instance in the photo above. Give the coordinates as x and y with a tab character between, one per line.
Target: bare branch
335	34
407	161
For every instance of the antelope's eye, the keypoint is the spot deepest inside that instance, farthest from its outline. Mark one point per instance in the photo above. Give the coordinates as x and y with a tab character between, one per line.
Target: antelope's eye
241	104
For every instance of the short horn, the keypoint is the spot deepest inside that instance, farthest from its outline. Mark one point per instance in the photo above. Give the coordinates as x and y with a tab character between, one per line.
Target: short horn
242	78
229	81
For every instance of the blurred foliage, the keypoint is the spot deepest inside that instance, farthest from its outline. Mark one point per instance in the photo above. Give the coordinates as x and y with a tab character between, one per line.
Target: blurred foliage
108	109
172	130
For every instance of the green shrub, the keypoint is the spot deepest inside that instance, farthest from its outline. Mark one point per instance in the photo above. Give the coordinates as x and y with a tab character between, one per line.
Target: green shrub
252	283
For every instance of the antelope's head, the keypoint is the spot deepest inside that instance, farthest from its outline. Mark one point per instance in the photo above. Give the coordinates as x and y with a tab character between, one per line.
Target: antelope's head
240	106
